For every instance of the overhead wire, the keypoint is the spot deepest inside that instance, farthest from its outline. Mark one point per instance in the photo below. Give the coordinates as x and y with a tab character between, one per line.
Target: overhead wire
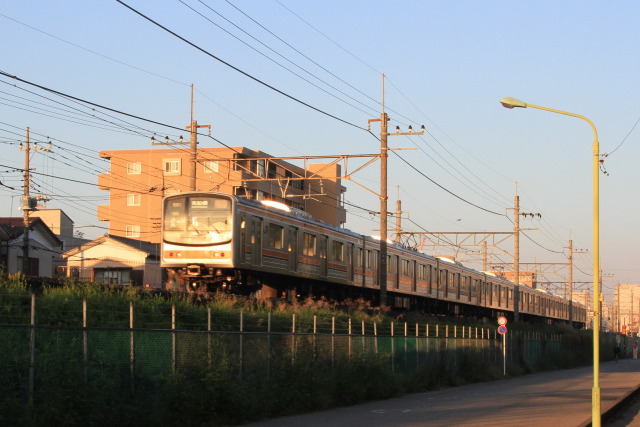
280	55
239	70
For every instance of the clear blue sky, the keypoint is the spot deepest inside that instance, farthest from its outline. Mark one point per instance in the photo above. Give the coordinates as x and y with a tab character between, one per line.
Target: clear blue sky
447	65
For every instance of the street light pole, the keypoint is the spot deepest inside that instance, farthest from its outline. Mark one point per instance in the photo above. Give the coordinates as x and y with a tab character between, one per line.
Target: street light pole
595	403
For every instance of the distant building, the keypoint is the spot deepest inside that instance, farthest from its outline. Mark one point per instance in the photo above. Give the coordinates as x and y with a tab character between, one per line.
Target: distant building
115	260
138	179
62	226
626	309
526	278
44	247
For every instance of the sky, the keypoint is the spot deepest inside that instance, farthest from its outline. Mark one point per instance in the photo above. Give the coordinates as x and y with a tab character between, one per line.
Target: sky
303	78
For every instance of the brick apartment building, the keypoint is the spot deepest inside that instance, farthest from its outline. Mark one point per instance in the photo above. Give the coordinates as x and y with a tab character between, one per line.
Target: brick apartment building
138	180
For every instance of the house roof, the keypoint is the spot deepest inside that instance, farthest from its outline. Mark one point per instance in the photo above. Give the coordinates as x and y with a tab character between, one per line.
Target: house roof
14	227
151	249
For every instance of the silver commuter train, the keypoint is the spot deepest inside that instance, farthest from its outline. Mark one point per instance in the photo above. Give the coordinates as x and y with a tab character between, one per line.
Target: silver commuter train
218	242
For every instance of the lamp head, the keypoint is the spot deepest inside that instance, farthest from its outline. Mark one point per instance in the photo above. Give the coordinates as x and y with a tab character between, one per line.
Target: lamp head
512	102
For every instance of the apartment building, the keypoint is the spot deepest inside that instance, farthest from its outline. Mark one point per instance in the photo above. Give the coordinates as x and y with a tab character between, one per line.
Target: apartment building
137	181
626	309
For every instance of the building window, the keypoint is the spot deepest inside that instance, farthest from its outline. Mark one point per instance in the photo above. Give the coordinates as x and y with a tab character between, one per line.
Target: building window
271	170
337	251
132	231
171	167
134	168
275	236
309	244
133	200
210	166
260	169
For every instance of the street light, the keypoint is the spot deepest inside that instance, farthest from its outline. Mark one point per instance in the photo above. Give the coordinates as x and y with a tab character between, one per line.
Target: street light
595	404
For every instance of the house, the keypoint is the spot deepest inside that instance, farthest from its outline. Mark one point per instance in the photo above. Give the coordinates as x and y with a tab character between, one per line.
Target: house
115	260
43	247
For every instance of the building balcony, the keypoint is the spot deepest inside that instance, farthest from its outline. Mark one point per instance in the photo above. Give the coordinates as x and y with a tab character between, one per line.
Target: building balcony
105	181
104	212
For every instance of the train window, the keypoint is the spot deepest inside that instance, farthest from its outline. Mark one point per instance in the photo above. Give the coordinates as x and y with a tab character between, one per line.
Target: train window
369	259
309	244
197	220
421	272
405	267
359	258
275	238
337	251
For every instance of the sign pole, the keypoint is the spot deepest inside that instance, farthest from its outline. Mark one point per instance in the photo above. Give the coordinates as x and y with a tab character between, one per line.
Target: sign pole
504	354
502	330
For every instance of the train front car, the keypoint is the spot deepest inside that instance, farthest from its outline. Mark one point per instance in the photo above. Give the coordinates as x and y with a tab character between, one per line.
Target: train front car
197	242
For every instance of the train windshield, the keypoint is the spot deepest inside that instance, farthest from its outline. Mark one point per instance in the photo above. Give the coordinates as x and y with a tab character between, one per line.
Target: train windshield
197	220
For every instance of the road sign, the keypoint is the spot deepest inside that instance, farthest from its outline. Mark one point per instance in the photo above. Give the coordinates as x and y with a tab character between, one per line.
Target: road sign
502	329
502	320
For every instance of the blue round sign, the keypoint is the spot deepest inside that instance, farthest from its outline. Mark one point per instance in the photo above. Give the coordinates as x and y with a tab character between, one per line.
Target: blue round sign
502	329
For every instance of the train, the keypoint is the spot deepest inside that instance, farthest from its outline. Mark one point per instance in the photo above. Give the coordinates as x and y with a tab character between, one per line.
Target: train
225	243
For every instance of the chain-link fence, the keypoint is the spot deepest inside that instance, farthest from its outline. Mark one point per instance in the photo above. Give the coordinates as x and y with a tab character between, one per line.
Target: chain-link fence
233	366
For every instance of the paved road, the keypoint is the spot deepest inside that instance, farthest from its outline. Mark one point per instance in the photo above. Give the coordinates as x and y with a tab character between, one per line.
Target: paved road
549	399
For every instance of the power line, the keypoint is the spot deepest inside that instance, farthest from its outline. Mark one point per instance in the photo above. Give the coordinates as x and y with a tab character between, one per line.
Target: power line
237	69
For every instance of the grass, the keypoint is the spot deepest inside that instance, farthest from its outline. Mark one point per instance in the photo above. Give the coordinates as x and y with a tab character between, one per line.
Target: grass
223	378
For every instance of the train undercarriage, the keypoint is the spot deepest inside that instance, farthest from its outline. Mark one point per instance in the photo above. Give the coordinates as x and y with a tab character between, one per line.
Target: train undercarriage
198	278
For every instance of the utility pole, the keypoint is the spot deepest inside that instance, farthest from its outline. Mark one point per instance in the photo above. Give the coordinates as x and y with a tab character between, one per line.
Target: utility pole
193	144
484	256
398	218
570	284
384	155
28	203
193	129
601	300
26	207
516	254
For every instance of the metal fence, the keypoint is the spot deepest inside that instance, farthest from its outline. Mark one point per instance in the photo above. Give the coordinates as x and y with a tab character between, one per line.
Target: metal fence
50	358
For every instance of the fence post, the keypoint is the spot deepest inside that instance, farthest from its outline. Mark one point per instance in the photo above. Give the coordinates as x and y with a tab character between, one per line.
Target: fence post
32	358
85	348
269	344
132	354
350	332
240	353
173	339
375	334
315	336
209	335
333	338
293	339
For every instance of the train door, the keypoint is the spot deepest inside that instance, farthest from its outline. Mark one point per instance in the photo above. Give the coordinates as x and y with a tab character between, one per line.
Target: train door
349	260
256	241
395	269
322	251
372	263
414	274
242	244
293	249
